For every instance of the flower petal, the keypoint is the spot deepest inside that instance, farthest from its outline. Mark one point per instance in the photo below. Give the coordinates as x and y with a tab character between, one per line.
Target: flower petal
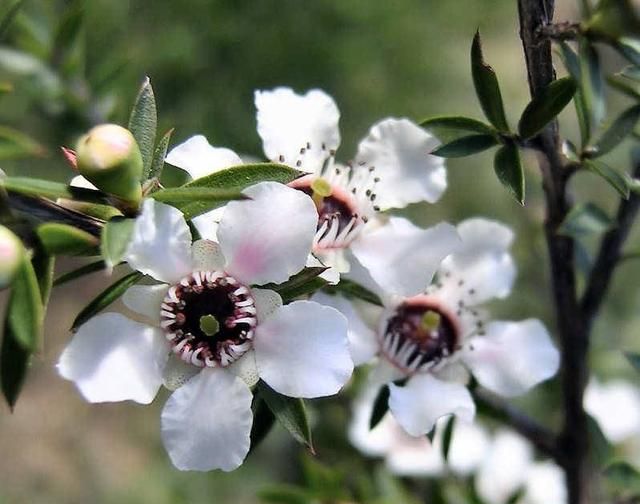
504	469
482	263
402	257
161	243
112	358
418	405
267	302
208	222
246	368
198	158
512	357
362	339
207	256
145	300
177	372
268	238
545	484
206	423
469	445
289	122
82	182
616	407
399	151
302	350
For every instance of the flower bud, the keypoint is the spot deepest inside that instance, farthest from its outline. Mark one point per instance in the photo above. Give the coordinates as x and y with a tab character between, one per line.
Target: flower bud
110	158
11	254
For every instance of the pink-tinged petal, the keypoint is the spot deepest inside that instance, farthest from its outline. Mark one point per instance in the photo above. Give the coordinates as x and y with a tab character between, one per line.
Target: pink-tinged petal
145	300
302	350
207	256
198	158
362	339
482	267
400	152
289	122
161	243
268	238
615	405
418	405
112	358
401	257
206	423
512	357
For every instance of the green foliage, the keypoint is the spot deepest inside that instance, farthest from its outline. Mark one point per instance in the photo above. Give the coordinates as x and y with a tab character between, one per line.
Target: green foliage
485	82
585	219
303	283
380	406
546	106
289	412
115	239
17	145
106	297
143	123
611	176
353	290
447	437
25	311
63	239
159	155
466	146
618	131
508	168
87	269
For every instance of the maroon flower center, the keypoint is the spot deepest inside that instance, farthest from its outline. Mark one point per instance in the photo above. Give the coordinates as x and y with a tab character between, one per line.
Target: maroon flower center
209	318
419	334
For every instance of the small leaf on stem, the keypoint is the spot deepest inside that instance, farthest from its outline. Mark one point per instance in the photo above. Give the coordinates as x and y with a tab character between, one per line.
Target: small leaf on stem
509	170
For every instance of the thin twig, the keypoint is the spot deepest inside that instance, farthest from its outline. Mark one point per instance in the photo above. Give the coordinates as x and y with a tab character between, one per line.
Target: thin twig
541	437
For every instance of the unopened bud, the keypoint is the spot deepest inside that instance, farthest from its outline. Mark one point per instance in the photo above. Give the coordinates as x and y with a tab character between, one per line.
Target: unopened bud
110	158
11	254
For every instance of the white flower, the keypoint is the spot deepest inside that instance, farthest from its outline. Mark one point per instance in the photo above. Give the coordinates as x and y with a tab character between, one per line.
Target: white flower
432	339
391	169
222	333
615	405
407	455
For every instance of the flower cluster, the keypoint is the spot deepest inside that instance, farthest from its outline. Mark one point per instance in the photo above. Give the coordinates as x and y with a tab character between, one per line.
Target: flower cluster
206	325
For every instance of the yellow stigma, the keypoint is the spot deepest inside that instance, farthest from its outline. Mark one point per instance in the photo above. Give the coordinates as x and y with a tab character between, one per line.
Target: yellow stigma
209	325
430	320
321	189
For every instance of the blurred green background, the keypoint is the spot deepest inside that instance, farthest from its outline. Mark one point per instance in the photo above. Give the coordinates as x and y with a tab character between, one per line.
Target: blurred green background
205	58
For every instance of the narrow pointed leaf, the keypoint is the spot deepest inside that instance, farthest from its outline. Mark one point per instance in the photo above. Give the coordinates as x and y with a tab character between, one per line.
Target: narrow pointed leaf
592	84
509	170
353	290
487	88
465	146
290	413
611	176
187	198
14	363
157	164
546	106
115	239
87	269
625	86
263	421
25	311
106	297
36	187
572	64
63	239
305	282
143	124
618	131
16	145
380	406
8	17
629	48
447	437
585	219
238	178
634	360
458	124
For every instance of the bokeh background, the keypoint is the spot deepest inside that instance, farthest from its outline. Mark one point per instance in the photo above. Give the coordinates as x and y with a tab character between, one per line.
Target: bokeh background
205	58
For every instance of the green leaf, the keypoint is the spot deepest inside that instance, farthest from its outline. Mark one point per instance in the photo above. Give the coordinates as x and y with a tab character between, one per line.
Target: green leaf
634	360
600	448
36	187
143	123
572	64
263	421
447	437
157	164
285	494
625	86
116	235
592	84
465	146
185	195
8	17
618	131
305	282
237	177
290	413
43	265
487	88
622	477
546	106
14	363
458	124
380	406
80	272
353	290
629	48
585	219
106	297
611	176
17	145
63	239
508	168
25	311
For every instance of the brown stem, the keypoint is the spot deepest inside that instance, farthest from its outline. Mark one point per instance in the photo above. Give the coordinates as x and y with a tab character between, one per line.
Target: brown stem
573	440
